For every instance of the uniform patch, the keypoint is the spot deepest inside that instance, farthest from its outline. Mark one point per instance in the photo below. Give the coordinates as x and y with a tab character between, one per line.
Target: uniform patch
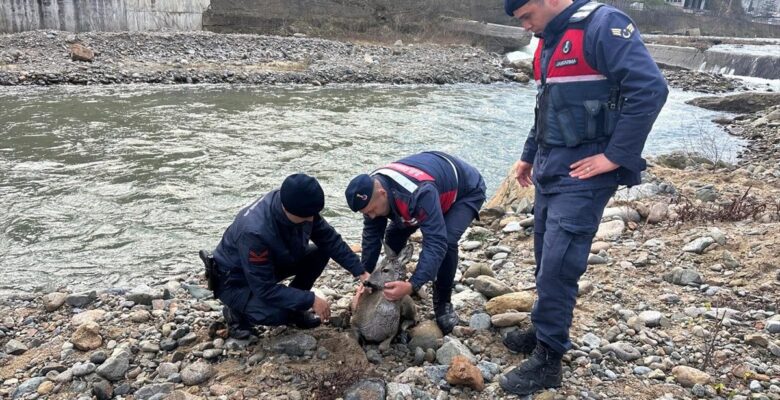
566	47
255	258
625	32
563	63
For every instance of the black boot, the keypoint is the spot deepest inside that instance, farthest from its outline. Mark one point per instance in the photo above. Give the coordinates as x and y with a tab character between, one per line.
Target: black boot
446	317
540	371
304	320
236	329
523	341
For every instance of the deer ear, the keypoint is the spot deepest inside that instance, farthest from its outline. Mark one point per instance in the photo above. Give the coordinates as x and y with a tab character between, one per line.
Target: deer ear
406	254
389	253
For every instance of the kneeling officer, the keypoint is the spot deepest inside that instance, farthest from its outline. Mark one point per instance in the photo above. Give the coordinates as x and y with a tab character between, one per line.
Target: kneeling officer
269	241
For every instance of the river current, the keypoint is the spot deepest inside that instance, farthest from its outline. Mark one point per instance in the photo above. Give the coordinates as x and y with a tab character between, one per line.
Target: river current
121	185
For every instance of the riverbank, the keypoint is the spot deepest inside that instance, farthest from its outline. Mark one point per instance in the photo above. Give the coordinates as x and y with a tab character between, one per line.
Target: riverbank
47	58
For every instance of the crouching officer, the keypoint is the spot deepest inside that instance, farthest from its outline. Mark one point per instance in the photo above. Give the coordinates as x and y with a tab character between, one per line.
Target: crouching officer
269	241
434	192
599	93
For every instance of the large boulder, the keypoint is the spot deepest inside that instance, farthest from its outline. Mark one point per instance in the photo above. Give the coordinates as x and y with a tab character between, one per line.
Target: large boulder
509	191
738	103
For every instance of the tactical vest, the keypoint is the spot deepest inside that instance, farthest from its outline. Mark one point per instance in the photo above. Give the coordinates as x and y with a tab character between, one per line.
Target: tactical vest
410	178
575	103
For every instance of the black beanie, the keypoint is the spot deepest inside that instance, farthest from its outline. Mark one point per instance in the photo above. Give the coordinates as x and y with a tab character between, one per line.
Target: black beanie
302	195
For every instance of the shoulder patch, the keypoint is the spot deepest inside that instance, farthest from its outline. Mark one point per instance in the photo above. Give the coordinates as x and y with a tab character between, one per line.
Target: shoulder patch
261	258
625	33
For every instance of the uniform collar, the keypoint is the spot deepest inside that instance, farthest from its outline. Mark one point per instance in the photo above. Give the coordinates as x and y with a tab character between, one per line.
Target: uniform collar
560	22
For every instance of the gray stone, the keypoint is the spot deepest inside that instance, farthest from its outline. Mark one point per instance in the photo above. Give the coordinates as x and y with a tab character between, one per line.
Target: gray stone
471	245
468	298
82	299
196	373
197	292
212	354
436	373
373	356
651	318
658	213
683	277
480	321
102	390
398	391
773	326
524	206
53	301
491	287
166	369
511	227
28	386
476	270
637	192
98	357
366	389
147	346
595	259
488	369
59	368
591	340
622	350
642	370
493	250
610	230
584	287
149	391
296	344
527	222
168	344
115	366
707	193
426	335
143	294
504	320
627	214
699	245
452	348
15	347
82	369
187	340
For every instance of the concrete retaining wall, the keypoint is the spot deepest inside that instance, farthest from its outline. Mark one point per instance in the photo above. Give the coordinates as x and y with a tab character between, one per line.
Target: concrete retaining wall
101	15
767	66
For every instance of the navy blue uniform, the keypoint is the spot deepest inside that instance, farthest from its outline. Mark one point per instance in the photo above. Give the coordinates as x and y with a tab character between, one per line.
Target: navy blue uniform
599	92
262	247
436	193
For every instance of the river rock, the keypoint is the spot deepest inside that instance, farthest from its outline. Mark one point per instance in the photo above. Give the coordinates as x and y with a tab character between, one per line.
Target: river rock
197	373
398	391
53	301
15	347
46	387
140	316
480	322
452	348
757	339
463	372
426	335
627	214
689	376
87	316
102	390
114	367
610	230
638	192
143	294
683	277
82	299
79	52
367	389
467	298
772	326
623	350
296	344
87	337
59	368
706	193
653	318
148	392
478	269
504	320
470	245
491	287
699	245
28	386
658	213
82	369
511	227
517	301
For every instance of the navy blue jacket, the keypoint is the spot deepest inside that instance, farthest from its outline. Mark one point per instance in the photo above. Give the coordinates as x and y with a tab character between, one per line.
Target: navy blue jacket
423	208
625	62
261	238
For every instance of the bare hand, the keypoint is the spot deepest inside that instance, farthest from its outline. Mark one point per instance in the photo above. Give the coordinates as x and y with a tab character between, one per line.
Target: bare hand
321	308
361	290
591	166
396	290
523	173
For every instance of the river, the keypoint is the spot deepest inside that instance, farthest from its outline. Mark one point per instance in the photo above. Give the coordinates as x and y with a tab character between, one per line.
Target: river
119	185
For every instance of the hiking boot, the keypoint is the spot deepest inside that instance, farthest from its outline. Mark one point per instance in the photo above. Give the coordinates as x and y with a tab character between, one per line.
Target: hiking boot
540	371
235	328
446	317
304	320
521	341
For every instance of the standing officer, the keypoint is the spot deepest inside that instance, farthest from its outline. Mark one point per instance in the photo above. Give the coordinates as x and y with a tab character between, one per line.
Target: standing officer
432	191
599	93
269	241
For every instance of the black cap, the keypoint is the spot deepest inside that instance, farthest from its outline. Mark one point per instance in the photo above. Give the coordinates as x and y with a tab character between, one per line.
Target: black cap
511	5
359	192
302	195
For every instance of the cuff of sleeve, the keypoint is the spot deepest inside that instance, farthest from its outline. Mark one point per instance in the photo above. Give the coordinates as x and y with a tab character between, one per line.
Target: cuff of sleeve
528	156
417	281
632	162
309	301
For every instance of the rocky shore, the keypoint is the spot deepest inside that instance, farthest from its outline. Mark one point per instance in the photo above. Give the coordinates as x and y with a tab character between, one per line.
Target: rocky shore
95	58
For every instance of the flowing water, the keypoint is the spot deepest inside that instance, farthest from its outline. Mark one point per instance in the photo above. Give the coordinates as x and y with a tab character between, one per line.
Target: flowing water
118	185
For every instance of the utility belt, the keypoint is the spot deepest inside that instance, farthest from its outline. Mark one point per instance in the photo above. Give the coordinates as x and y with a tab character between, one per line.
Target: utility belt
213	275
564	119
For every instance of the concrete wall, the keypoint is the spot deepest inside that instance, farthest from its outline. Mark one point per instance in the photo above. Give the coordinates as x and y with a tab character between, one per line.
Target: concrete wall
767	66
101	15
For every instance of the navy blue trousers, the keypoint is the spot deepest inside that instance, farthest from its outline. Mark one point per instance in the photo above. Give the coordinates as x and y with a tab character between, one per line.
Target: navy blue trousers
564	226
258	312
457	219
